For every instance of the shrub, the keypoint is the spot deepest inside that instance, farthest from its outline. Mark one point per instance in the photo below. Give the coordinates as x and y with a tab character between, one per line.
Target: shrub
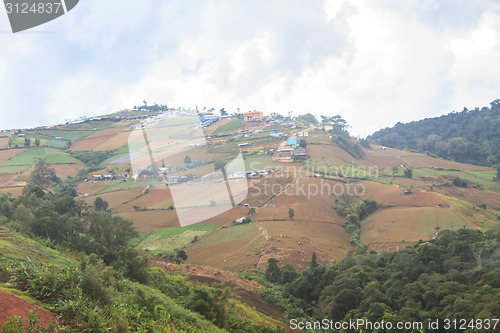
459	182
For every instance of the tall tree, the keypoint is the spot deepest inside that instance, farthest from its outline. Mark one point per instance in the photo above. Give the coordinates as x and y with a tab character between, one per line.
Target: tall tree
313	264
110	235
42	174
291	213
273	271
100	204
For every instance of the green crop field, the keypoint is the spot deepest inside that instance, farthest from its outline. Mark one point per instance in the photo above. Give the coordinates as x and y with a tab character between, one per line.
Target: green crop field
483	178
262	162
20	141
14	169
229	127
227	235
57	143
169	239
52	155
72	135
88	126
480	217
381	180
116	185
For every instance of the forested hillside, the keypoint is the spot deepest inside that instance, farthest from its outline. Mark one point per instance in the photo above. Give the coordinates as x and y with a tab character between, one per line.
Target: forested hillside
456	276
470	136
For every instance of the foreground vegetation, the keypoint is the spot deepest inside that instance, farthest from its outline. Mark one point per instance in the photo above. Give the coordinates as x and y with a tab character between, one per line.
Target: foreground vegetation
456	276
110	286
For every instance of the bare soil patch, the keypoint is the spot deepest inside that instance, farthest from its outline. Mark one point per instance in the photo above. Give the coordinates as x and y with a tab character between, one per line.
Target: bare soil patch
115	198
5	155
108	139
473	196
147	221
4	142
409	224
65	170
235	248
18	190
293	242
394	195
393	157
13	306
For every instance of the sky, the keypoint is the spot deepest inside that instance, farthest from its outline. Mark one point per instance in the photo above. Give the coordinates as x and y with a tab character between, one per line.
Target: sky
374	62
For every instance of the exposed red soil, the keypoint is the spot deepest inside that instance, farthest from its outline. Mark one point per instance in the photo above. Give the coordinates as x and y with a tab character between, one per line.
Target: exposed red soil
13	306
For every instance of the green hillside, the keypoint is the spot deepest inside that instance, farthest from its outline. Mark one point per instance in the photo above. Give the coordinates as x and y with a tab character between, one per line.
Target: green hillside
75	262
53	156
470	136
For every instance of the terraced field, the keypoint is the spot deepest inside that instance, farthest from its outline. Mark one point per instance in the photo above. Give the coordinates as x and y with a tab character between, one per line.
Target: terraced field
169	239
54	156
234	248
400	225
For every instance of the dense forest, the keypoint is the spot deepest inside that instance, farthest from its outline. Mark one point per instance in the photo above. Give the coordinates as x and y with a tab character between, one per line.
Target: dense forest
456	276
470	136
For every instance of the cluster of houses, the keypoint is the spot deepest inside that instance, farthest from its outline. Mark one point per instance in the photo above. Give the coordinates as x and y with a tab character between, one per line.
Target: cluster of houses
109	177
245	134
242	220
249	174
231	177
176	180
253	116
210	119
290	150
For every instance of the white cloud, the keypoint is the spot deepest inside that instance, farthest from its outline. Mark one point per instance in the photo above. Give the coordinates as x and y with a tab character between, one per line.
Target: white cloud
375	62
476	72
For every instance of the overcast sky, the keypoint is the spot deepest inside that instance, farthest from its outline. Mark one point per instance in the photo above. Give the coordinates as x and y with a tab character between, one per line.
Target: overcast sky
375	62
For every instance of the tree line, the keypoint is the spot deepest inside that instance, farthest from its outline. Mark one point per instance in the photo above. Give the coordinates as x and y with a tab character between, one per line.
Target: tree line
470	136
456	276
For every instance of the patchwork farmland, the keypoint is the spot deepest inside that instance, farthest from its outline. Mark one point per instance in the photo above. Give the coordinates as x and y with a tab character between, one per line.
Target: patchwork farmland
412	209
